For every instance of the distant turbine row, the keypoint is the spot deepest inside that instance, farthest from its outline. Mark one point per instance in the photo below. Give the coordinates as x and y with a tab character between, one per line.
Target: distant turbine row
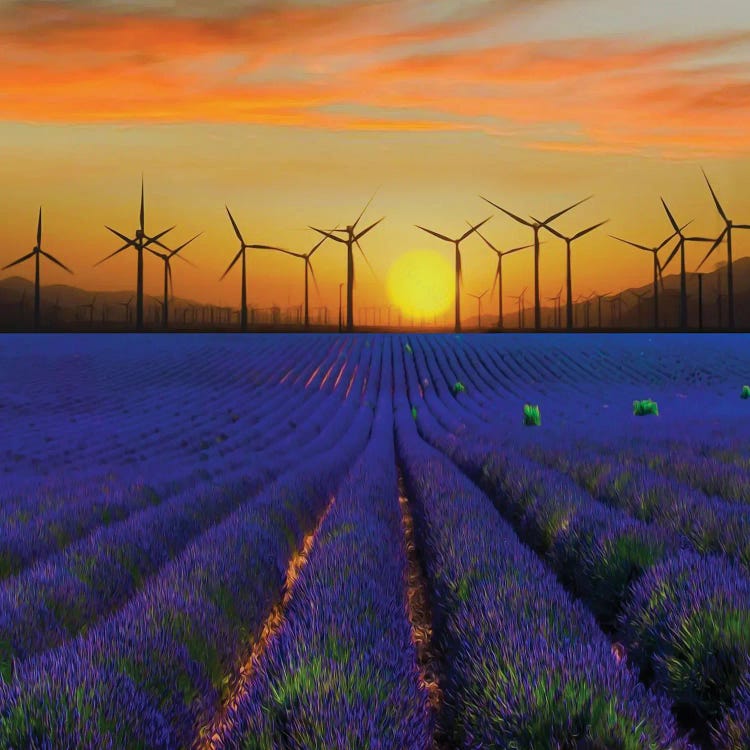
141	241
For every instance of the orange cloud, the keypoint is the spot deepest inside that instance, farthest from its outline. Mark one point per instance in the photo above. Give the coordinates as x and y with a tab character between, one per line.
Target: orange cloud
361	66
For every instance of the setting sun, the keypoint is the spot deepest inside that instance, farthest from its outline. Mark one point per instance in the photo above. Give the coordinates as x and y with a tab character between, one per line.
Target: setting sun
420	282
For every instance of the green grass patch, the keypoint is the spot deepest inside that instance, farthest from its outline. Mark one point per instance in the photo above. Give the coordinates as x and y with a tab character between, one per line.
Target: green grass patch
531	415
644	407
458	387
745	391
414	412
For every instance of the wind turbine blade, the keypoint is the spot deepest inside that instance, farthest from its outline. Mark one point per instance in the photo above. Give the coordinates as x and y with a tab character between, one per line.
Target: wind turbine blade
185	260
357	237
312	273
672	254
661	276
589	229
184	244
236	258
635	244
151	240
512	216
309	255
161	234
267	247
142	207
120	235
565	210
39	229
354	226
54	260
20	260
671	218
169	277
741	226
436	234
367	261
234	224
550	229
111	255
487	242
516	249
473	229
328	234
497	277
713	195
712	248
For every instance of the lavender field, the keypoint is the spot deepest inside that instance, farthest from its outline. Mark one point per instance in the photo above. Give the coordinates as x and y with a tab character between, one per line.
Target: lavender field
333	542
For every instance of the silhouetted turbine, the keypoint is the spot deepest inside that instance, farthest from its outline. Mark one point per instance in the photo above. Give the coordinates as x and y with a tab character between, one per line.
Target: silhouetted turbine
36	253
308	266
459	274
351	238
727	232
519	299
168	286
241	253
536	226
140	242
657	266
680	246
478	298
569	280
498	280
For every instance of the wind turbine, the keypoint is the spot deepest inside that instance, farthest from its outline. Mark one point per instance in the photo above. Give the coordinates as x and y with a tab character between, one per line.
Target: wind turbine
126	305
536	226
478	298
657	266
680	246
139	243
90	307
498	280
36	253
519	299
308	266
459	274
569	280
168	287
556	300
351	238
727	232
241	253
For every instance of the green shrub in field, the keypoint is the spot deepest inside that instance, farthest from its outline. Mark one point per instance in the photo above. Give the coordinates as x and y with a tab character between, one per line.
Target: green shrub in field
458	387
414	412
647	406
745	391
408	349
531	415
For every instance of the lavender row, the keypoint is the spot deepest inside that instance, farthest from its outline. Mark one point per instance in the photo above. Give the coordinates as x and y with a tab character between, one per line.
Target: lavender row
167	654
56	600
708	524
524	664
601	555
31	534
173	443
342	672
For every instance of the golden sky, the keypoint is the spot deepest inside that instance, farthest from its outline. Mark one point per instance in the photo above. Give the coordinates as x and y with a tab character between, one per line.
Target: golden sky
294	113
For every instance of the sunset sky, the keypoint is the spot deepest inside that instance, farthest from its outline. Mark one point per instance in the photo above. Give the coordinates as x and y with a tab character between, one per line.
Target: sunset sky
294	113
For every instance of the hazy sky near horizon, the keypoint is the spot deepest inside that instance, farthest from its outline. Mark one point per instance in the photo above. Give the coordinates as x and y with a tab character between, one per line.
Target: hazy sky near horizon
293	113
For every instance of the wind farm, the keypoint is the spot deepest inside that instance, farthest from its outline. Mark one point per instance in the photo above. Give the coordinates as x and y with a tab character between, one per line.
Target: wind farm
411	412
251	315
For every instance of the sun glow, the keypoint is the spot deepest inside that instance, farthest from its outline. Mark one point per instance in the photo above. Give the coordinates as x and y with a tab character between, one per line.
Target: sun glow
420	282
